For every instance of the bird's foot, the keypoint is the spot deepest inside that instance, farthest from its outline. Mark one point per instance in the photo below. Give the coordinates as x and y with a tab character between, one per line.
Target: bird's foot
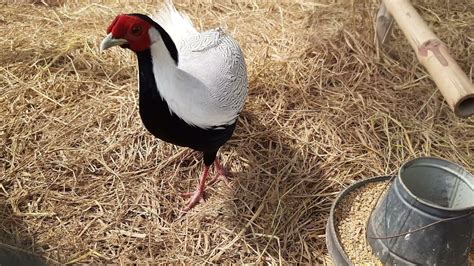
221	175
195	197
198	195
222	178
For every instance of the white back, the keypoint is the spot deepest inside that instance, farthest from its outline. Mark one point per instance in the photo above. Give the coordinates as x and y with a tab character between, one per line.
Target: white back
209	87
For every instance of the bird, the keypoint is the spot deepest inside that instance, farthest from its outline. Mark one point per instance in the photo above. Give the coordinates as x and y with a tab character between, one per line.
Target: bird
192	84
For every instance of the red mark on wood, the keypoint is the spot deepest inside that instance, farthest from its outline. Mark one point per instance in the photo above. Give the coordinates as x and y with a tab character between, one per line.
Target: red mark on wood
433	46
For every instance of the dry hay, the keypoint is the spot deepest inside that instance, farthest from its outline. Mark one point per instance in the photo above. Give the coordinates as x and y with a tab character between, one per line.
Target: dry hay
82	181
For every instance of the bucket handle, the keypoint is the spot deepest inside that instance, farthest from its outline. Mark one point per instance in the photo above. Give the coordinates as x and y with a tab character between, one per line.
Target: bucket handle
423	227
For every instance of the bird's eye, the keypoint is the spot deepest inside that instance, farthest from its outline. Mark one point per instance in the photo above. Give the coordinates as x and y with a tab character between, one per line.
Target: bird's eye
136	30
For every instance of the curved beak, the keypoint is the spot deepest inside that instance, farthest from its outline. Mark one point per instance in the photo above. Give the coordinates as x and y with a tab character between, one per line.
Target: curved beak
109	41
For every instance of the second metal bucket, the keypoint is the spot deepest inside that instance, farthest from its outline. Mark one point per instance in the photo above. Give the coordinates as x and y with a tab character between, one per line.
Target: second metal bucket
426	217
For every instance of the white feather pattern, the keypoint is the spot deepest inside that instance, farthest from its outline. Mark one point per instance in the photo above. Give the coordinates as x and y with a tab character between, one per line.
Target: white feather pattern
209	87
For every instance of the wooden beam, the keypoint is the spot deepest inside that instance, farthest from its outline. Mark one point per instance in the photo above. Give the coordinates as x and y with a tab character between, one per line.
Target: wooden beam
433	54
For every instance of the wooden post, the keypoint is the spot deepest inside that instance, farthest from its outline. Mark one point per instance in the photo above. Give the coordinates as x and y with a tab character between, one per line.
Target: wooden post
433	54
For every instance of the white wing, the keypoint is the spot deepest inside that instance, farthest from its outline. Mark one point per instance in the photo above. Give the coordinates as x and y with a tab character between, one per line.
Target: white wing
216	60
212	87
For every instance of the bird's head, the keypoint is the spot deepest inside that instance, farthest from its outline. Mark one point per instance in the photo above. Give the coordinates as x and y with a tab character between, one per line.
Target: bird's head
137	32
128	31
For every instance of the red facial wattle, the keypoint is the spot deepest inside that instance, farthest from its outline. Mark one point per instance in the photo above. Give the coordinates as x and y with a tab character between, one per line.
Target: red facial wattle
133	29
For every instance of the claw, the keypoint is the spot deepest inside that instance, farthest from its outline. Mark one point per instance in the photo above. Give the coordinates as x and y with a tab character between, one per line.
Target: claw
186	194
222	178
222	174
197	197
199	194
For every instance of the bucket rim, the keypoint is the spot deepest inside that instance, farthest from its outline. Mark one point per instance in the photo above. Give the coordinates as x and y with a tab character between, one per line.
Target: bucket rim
422	201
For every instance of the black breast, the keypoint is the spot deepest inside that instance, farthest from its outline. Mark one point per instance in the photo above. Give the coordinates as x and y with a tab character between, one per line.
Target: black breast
168	127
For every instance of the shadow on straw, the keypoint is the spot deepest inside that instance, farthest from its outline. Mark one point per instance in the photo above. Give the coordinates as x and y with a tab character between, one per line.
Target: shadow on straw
16	244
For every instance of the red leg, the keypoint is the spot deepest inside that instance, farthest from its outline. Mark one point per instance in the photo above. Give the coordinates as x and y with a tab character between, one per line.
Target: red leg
198	194
221	174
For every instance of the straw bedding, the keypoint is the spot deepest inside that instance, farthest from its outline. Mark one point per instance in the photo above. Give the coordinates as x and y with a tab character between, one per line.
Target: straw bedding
82	181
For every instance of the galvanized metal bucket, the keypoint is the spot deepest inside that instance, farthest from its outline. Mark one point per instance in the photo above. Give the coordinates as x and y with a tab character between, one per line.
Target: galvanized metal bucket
426	217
